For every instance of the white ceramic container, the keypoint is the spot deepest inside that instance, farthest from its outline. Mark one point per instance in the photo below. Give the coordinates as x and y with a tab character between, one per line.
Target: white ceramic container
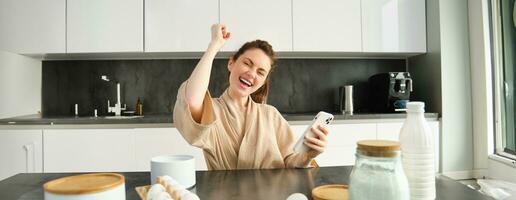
179	167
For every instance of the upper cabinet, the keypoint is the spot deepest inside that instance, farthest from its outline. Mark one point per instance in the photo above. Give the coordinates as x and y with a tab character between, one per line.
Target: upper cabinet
32	27
179	25
393	26
104	26
269	20
327	25
322	27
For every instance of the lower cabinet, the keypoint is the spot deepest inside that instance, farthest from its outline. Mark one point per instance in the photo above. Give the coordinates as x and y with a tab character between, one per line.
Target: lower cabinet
150	142
20	152
88	150
118	150
112	150
342	140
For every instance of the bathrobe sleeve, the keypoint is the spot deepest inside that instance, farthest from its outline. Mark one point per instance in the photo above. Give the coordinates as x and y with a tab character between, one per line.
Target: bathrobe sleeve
286	142
196	134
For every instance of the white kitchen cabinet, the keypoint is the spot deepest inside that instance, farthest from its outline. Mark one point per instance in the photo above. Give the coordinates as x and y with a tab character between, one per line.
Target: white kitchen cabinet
104	26
391	131
88	150
328	25
151	142
32	27
342	141
349	134
269	20
20	152
393	26
179	25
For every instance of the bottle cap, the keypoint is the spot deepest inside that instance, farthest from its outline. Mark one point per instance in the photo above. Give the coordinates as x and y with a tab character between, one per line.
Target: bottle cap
416	106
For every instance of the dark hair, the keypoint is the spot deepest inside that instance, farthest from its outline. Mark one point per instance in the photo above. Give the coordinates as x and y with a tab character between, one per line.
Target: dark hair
261	94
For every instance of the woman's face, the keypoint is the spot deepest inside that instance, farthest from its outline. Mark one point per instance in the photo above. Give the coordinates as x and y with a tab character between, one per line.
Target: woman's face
249	72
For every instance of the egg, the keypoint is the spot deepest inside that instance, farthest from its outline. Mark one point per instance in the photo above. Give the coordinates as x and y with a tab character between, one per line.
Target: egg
154	190
189	196
162	196
180	193
297	196
169	180
174	189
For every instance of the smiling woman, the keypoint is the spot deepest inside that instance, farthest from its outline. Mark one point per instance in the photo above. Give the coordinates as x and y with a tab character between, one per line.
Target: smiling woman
238	130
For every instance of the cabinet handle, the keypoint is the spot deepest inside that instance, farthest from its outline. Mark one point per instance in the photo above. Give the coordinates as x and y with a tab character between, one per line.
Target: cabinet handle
30	158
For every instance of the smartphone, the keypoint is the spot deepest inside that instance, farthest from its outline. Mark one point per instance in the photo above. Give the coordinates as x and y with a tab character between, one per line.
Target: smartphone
322	118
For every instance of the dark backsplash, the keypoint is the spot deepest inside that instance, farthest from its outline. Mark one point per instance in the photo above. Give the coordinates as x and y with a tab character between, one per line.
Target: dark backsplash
297	85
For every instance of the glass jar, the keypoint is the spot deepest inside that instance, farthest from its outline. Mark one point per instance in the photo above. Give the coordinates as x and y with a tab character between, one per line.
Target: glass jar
378	172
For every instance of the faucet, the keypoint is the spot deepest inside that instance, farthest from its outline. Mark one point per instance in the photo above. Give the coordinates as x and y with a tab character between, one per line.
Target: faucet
117	109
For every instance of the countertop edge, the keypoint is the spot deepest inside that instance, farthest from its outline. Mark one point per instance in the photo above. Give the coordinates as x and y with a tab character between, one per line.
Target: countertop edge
171	125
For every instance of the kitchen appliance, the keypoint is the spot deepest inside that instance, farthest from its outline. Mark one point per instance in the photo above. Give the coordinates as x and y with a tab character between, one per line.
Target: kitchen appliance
389	92
346	99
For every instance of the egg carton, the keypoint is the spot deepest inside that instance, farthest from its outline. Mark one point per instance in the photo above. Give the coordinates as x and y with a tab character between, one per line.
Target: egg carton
165	188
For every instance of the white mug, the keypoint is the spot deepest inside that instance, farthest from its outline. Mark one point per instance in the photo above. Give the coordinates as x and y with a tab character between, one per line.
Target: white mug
179	167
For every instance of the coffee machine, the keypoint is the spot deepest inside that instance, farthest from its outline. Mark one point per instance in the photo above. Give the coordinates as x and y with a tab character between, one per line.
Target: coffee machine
390	91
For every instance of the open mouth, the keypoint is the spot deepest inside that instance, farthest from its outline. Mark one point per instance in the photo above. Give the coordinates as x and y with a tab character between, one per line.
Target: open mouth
245	82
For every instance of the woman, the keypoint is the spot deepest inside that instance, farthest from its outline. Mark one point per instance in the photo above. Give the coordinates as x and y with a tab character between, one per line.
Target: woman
238	130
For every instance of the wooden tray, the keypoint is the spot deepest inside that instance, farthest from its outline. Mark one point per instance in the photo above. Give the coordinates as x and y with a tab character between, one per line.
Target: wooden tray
142	191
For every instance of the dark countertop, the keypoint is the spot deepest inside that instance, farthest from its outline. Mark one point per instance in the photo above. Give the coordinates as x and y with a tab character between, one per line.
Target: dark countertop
238	184
167	118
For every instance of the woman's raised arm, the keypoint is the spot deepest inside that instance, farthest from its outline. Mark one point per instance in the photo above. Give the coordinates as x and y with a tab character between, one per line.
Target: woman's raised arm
200	77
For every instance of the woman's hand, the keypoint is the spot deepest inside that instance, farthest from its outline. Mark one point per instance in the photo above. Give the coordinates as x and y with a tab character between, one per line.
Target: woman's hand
219	35
316	144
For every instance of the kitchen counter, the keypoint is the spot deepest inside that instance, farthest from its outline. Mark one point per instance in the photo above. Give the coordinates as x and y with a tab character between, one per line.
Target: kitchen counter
165	120
237	184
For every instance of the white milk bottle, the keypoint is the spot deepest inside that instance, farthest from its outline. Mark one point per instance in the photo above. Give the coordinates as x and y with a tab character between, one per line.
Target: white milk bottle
417	153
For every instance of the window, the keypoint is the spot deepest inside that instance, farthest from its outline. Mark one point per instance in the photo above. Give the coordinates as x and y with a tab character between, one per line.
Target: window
504	58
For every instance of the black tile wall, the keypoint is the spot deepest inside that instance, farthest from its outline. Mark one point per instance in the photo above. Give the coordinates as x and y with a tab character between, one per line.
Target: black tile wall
297	85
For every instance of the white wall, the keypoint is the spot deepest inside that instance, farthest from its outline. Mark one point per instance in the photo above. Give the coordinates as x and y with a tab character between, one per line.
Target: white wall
20	85
444	76
481	73
457	138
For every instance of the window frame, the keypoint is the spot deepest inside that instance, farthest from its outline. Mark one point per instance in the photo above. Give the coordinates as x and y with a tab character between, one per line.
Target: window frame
498	86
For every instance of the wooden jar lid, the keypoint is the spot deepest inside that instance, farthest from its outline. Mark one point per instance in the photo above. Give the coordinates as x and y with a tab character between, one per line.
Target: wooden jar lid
84	184
378	148
330	192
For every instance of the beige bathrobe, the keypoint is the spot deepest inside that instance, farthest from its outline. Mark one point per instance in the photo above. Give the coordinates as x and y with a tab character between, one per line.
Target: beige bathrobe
260	138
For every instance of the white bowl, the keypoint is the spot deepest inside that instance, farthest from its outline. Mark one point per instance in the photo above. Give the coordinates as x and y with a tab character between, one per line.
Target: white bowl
179	167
